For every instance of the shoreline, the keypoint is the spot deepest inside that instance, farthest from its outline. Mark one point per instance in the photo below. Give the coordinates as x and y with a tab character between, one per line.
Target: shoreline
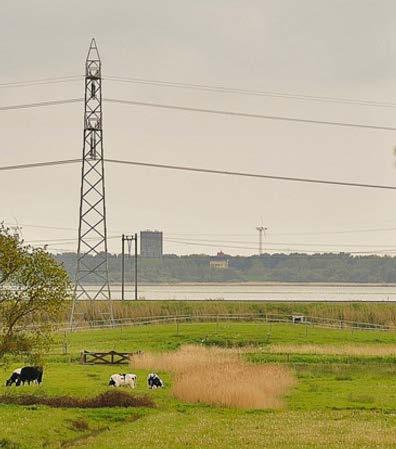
259	284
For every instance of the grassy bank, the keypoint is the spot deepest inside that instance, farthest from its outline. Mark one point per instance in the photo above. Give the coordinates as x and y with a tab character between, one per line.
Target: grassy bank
377	313
222	334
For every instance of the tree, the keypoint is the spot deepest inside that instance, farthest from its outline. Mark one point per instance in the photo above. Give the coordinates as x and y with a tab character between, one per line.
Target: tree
33	291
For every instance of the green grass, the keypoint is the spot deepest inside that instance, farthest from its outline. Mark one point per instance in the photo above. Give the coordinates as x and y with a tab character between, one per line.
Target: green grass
204	429
340	387
338	401
171	336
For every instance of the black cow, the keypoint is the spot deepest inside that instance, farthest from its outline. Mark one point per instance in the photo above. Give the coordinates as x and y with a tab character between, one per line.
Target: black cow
154	381
26	374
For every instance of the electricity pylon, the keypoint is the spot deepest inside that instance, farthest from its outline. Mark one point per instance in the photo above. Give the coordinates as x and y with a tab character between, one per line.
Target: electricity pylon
92	262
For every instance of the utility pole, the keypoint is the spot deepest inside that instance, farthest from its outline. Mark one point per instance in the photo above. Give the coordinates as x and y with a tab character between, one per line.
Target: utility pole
136	268
128	239
123	267
261	230
92	257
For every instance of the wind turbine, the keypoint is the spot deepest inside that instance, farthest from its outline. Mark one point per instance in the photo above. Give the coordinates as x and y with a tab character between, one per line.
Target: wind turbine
261	230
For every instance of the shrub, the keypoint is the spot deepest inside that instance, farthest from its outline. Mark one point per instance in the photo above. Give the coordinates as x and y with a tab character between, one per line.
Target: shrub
113	398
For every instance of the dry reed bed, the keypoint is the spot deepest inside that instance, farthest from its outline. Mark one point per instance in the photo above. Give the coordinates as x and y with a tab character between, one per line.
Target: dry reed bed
220	377
348	349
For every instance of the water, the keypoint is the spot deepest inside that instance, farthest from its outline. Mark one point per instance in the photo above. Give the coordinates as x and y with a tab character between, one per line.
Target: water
262	292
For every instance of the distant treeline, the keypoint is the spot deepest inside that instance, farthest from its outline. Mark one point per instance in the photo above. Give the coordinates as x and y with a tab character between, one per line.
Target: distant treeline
341	267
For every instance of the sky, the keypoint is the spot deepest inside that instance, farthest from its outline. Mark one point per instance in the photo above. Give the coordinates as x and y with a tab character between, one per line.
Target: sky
337	49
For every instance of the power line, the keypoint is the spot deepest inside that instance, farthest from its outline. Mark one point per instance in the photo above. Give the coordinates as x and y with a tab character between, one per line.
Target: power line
70	240
39	82
345	231
225	244
248	115
217	243
298	250
38	164
205	88
59	228
251	175
203	170
203	110
294	251
221	234
241	91
40	104
319	244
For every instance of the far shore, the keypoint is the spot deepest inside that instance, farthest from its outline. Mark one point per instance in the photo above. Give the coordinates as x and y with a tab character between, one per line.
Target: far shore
262	284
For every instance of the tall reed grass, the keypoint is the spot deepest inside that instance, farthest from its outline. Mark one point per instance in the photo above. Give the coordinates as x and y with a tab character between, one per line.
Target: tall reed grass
347	349
220	377
384	314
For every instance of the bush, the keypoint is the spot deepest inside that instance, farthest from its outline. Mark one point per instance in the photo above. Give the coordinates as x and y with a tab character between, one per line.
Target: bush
113	398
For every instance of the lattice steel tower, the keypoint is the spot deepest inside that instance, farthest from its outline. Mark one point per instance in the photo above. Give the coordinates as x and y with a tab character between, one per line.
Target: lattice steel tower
92	263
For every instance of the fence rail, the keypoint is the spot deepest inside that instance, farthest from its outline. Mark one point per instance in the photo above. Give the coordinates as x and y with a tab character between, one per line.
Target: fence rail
105	358
308	320
259	317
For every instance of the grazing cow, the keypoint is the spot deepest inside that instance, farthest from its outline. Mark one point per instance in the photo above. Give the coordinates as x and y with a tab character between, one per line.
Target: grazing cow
14	377
130	380
154	381
27	374
123	380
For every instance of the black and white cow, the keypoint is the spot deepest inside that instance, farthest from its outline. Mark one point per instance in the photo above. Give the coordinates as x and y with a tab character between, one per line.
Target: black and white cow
154	381
29	374
123	380
15	375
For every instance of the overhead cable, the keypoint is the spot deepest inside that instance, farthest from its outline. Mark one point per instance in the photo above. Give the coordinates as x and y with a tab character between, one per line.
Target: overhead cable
269	243
39	164
185	235
40	104
57	228
251	234
241	91
206	88
39	82
292	250
203	170
248	115
251	175
221	112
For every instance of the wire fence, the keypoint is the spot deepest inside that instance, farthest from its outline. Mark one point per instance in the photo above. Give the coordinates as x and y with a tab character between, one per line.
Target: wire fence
305	320
70	344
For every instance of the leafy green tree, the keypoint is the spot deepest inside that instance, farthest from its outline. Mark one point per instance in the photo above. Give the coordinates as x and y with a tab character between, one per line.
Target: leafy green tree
33	291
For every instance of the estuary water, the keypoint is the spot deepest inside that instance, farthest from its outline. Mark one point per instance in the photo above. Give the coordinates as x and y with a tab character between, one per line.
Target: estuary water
261	292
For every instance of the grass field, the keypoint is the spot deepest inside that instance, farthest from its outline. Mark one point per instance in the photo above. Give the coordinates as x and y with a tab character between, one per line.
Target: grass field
343	397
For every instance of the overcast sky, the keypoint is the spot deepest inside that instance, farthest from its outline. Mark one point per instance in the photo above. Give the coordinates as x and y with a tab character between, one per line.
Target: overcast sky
338	48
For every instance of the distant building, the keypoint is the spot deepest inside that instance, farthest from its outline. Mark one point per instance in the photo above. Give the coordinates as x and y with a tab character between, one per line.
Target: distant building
219	262
151	244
